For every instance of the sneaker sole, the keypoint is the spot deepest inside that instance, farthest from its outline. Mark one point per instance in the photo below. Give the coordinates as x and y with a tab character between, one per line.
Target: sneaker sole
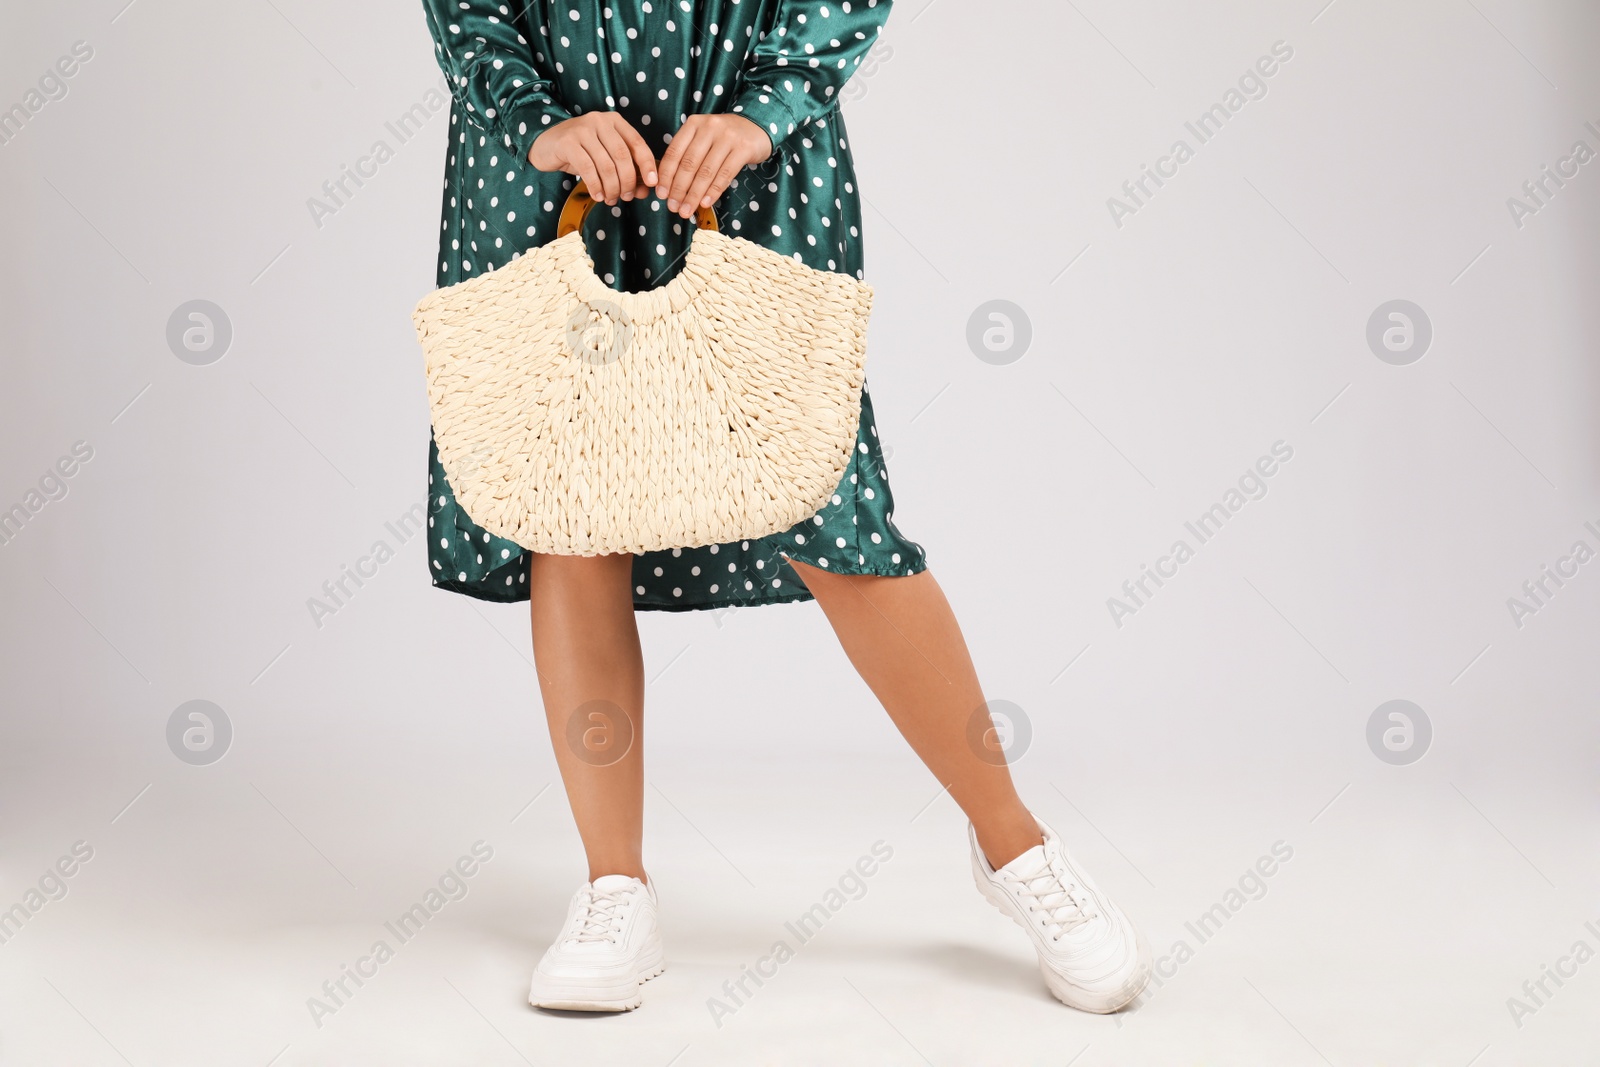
1063	988
571	994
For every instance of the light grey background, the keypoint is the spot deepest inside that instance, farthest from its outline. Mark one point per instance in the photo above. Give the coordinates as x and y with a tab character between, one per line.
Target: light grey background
1231	712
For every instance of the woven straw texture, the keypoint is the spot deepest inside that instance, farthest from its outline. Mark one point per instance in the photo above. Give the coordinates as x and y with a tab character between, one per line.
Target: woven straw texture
577	420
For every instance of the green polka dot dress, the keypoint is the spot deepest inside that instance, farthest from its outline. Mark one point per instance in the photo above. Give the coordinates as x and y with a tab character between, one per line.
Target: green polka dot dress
781	63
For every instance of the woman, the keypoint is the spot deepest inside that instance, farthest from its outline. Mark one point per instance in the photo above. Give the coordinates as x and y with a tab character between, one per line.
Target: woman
661	107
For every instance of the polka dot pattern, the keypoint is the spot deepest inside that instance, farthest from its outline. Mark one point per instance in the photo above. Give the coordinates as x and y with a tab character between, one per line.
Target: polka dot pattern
780	63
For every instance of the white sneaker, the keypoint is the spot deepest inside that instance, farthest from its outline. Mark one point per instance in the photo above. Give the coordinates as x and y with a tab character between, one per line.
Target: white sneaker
607	950
1091	956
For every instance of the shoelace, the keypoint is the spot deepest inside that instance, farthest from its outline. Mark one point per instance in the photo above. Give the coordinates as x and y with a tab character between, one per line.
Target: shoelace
598	914
1057	897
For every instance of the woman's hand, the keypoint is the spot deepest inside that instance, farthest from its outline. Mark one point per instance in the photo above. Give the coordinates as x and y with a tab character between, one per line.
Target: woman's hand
705	154
603	150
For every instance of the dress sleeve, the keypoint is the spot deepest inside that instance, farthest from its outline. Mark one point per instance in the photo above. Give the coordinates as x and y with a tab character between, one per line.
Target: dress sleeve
794	73
491	70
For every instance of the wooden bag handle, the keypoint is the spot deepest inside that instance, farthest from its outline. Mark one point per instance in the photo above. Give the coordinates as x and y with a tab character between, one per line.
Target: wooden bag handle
579	203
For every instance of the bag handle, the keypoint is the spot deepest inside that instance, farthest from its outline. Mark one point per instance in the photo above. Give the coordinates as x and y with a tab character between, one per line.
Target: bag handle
579	203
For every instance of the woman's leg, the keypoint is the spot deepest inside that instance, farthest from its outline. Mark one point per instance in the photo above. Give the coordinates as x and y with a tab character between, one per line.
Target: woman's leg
591	675
904	641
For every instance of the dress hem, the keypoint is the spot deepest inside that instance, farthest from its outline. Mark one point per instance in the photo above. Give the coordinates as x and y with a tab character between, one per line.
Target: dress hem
519	592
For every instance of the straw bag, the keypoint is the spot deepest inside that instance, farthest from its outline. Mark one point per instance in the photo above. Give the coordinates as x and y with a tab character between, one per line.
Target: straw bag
576	420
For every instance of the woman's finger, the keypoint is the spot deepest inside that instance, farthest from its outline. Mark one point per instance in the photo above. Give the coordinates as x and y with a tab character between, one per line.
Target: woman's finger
688	170
729	170
584	170
605	170
644	160
705	177
677	169
622	159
